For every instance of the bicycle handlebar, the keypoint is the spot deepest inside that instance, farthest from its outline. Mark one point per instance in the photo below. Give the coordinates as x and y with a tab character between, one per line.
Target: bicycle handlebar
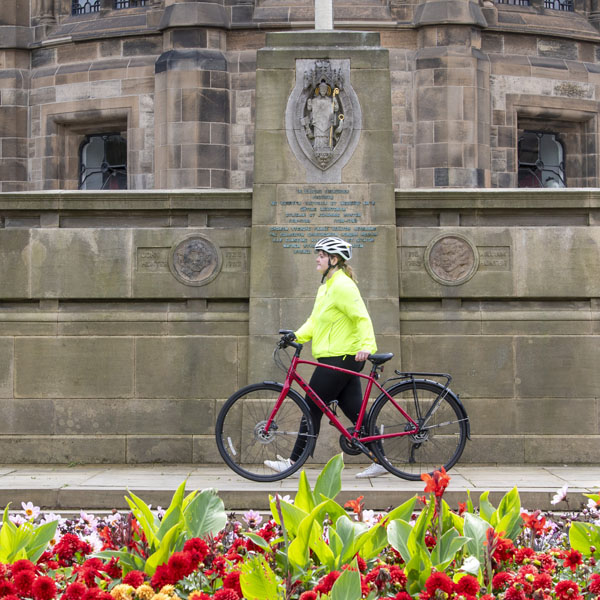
287	339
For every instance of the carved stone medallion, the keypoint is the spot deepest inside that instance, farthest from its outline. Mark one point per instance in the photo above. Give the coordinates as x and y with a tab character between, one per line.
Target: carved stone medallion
323	118
195	261
451	259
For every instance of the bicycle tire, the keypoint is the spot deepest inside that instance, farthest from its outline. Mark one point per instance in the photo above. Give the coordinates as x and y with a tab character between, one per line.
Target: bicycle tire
242	444
441	445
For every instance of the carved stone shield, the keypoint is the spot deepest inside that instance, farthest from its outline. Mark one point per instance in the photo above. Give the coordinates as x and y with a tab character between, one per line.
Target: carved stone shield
323	118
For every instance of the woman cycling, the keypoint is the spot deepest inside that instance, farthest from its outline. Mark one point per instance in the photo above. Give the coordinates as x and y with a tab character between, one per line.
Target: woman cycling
342	336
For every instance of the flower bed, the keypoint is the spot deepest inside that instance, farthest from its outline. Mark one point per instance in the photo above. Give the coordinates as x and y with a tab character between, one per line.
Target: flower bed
310	548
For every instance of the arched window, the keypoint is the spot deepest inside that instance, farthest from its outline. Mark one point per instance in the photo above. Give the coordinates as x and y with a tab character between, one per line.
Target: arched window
103	162
541	160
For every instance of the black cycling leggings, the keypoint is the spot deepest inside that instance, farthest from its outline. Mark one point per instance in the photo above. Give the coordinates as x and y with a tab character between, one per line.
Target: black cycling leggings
332	385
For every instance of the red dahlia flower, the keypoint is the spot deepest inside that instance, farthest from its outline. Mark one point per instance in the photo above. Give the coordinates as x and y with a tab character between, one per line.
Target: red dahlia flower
439	581
567	590
402	596
226	594
467	585
513	593
502	580
180	565
74	591
7	588
572	559
162	576
22	565
23	581
594	585
326	583
308	596
198	548
134	579
232	582
43	588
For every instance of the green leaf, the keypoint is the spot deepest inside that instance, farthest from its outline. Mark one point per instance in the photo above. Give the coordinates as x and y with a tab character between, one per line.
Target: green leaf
40	539
304	499
205	515
292	515
259	541
398	533
329	482
372	542
347	585
508	518
146	520
164	550
475	529
258	581
584	535
404	511
486	510
446	548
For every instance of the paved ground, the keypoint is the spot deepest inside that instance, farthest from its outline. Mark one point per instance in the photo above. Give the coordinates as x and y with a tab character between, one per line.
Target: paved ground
103	487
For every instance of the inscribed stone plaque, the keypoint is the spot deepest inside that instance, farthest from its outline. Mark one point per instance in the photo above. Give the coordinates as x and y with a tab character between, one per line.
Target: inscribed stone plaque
195	261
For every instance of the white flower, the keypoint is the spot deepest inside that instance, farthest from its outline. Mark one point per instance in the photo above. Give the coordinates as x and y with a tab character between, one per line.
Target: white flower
89	520
252	518
591	504
112	519
368	517
50	517
560	495
17	520
31	511
471	565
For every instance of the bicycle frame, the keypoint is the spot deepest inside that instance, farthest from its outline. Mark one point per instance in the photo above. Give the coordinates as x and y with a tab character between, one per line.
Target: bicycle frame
293	376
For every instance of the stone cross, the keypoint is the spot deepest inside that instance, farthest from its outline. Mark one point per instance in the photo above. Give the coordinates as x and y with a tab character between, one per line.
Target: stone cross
323	14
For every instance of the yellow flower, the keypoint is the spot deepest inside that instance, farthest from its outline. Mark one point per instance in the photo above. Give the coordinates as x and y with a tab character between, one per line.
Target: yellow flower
167	589
144	592
122	591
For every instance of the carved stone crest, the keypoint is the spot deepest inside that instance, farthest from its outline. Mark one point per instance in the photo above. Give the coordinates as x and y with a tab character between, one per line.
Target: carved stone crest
195	261
323	117
451	259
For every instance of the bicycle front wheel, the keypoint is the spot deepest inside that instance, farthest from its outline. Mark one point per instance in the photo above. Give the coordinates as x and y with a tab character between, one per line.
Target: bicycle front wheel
443	429
245	445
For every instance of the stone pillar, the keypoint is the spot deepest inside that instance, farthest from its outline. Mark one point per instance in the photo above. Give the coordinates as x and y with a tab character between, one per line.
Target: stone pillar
452	99
14	74
192	99
312	180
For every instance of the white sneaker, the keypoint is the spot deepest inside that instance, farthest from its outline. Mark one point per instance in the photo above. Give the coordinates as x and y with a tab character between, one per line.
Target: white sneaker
279	465
373	470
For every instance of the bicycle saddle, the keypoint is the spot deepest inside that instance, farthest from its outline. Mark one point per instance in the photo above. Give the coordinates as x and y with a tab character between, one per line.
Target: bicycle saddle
379	359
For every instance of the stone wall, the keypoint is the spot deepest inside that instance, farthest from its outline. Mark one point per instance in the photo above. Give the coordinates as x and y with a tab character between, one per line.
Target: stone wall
107	354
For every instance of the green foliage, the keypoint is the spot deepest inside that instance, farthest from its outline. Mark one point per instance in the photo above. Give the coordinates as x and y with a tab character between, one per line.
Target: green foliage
409	541
259	582
26	541
506	519
584	537
194	515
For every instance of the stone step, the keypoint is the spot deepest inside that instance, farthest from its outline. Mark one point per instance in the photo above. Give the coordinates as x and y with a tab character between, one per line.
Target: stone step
103	487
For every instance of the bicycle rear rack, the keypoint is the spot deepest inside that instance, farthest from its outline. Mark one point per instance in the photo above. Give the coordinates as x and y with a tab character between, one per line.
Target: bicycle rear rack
412	375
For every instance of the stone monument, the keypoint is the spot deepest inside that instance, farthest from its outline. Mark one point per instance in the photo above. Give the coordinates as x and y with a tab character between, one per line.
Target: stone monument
323	166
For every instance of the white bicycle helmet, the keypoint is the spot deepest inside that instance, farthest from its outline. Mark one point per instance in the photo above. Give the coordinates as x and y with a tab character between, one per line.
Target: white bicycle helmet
336	246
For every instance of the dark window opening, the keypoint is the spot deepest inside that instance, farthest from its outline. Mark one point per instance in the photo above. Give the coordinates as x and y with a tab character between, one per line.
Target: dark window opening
103	162
514	2
541	160
118	4
559	5
82	7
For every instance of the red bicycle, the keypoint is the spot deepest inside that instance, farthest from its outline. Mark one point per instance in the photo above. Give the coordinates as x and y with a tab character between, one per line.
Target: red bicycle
415	425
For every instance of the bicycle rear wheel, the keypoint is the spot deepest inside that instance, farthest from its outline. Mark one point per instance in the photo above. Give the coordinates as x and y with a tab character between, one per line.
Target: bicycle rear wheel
441	440
241	437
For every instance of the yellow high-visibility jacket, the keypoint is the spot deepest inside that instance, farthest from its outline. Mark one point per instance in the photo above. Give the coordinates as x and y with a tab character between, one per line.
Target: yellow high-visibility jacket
339	324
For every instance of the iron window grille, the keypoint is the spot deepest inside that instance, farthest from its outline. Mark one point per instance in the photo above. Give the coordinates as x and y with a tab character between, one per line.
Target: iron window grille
82	7
560	5
119	4
514	2
541	160
103	162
